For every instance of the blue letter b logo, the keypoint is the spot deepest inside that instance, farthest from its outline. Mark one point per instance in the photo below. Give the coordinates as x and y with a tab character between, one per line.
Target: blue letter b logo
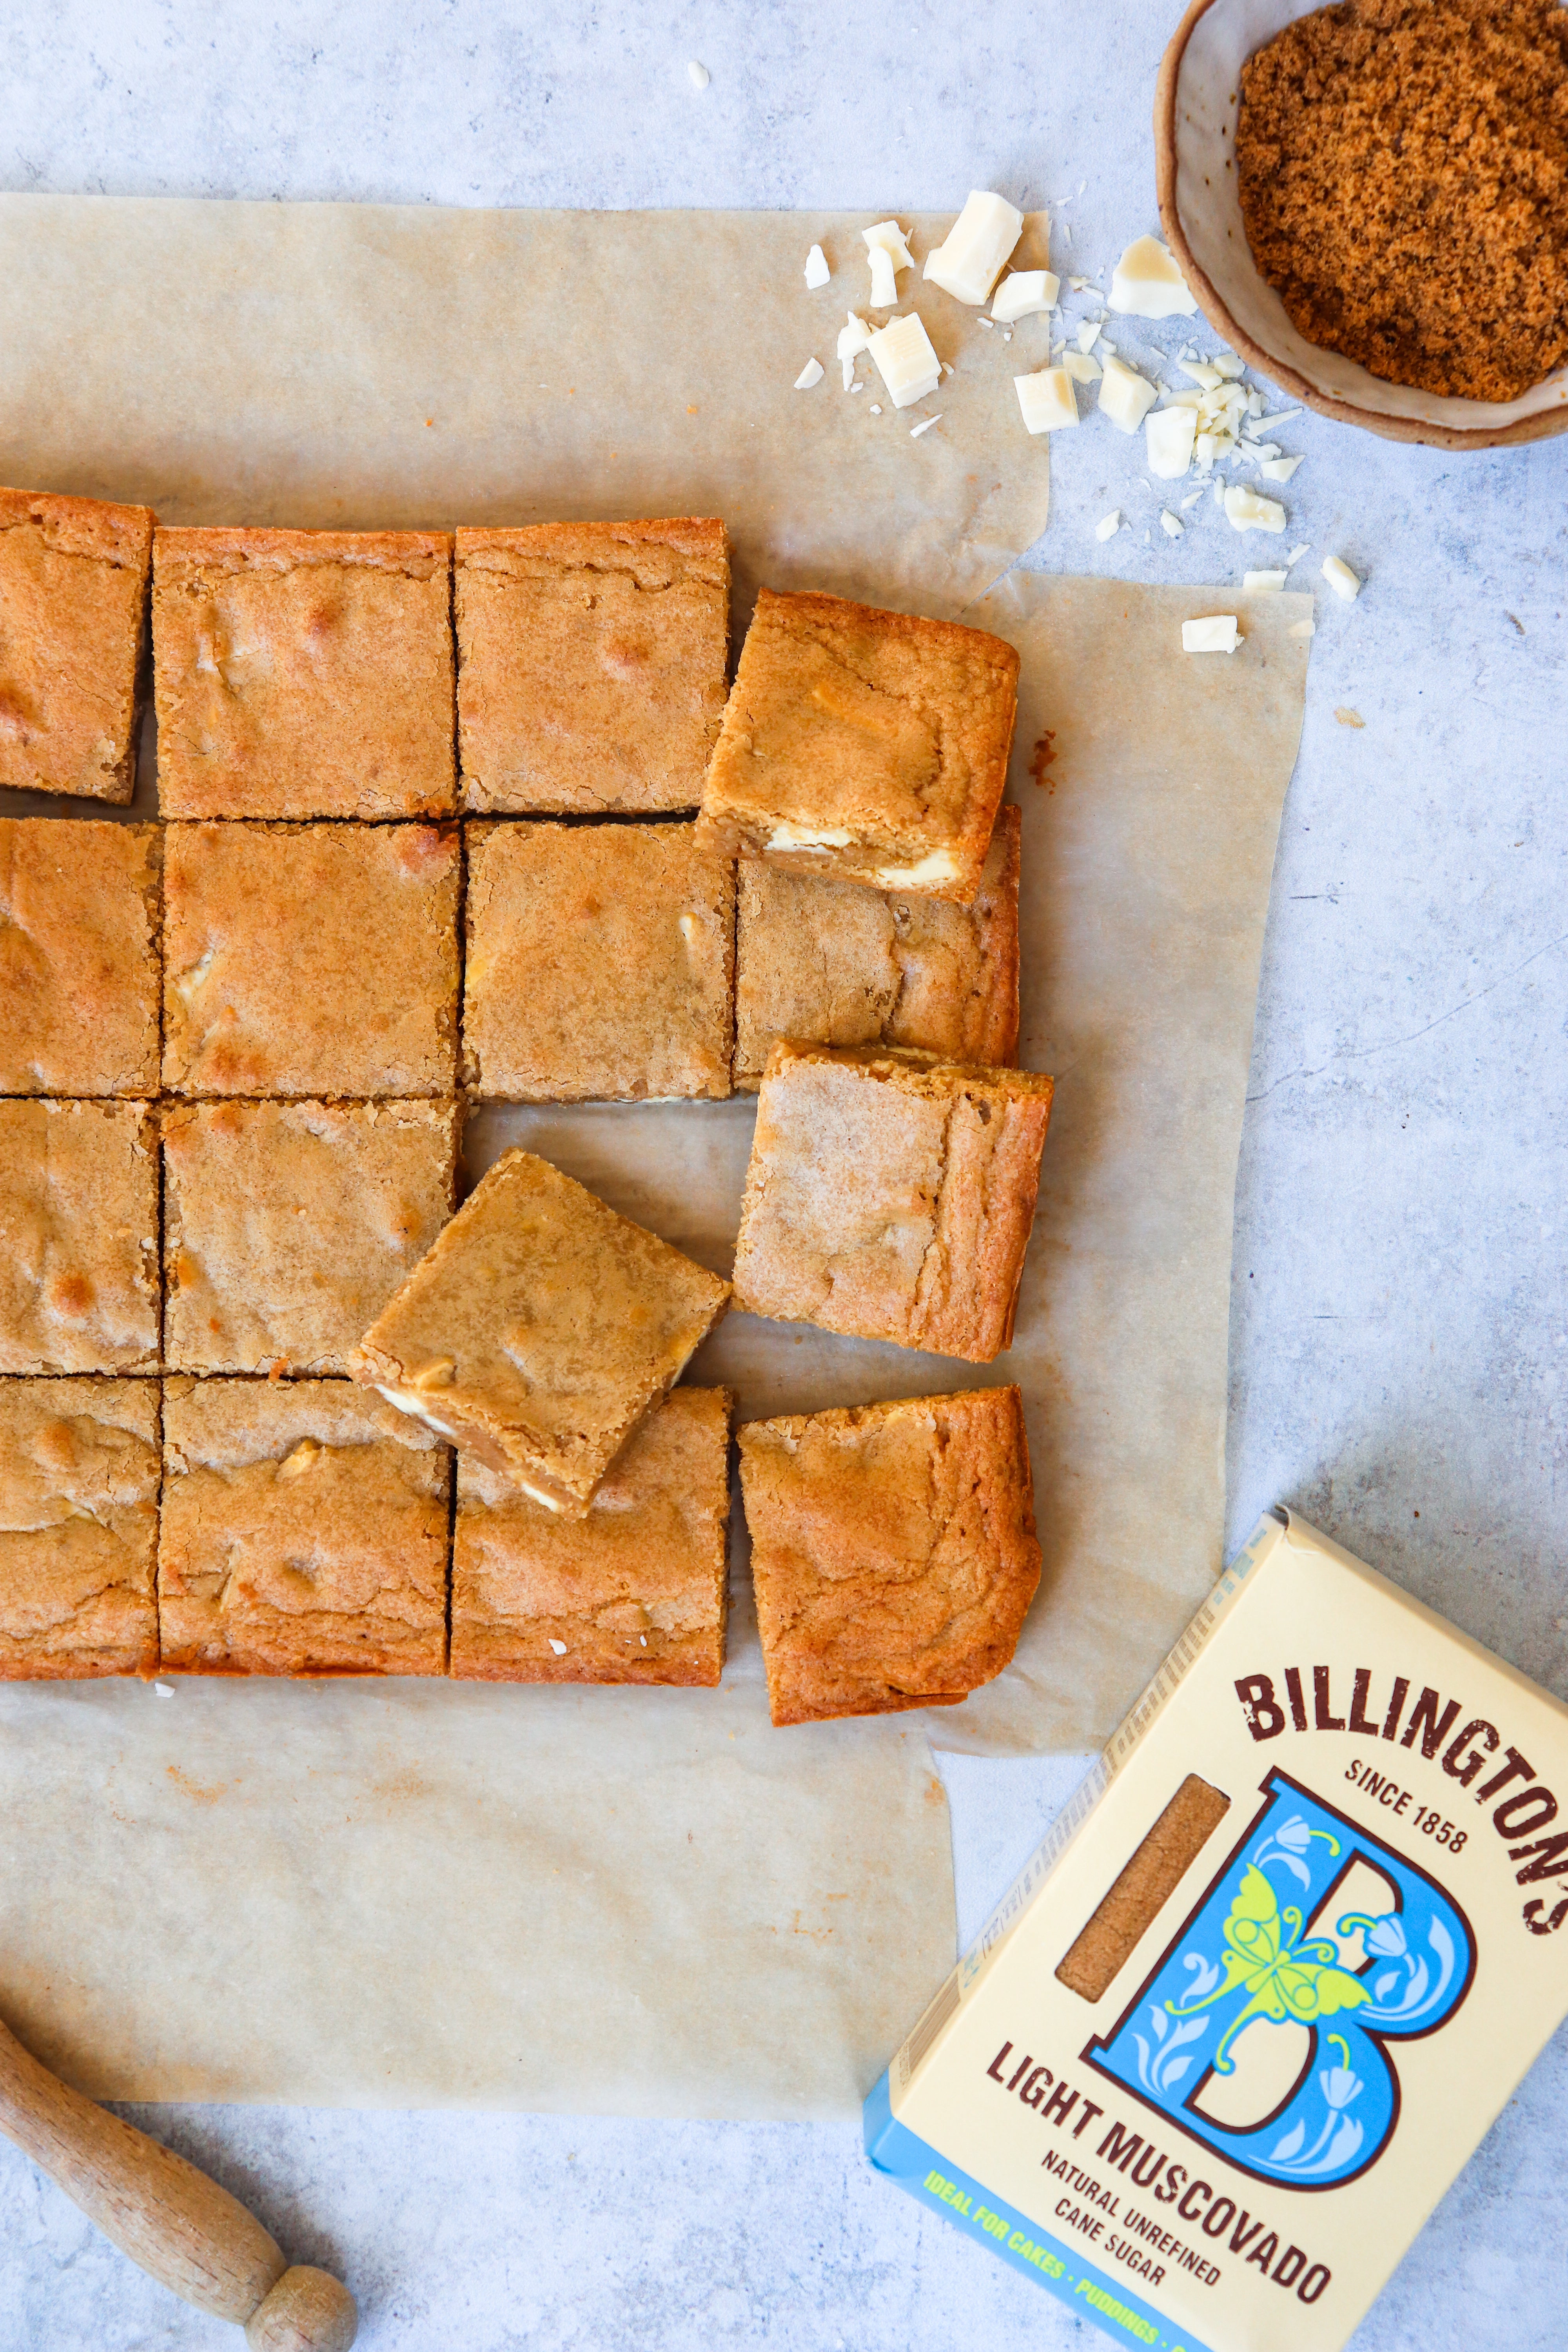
1263	2029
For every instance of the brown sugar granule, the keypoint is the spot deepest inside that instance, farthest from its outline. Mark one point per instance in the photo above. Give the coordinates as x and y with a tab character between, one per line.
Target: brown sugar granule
1403	172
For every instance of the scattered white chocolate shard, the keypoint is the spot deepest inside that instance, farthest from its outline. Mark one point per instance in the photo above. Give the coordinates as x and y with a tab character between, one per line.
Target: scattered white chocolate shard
975	251
924	425
1109	525
1170	434
1023	292
1107	345
701	77
1169	524
1089	334
1190	502
163	1690
1341	578
1270	582
1082	369
1218	635
818	273
1202	372
1261	452
811	373
1254	404
1297	554
1275	469
1147	284
1047	400
1283	415
987	323
1125	396
854	336
876	408
1245	511
884	282
905	359
1228	365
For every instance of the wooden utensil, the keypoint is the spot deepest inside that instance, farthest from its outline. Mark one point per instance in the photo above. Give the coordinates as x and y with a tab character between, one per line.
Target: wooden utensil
168	2217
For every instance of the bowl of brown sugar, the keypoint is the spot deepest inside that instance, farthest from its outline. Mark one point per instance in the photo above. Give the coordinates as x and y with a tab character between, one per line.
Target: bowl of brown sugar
1370	202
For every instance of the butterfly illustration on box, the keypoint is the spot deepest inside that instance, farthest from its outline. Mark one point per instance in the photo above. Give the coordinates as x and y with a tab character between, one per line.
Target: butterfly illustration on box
1244	1954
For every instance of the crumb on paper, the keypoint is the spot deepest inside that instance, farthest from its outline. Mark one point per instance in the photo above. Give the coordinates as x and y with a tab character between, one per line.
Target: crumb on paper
818	273
1245	511
811	373
1044	752
1348	718
1109	525
1169	524
1217	634
1341	578
701	77
924	425
1148	284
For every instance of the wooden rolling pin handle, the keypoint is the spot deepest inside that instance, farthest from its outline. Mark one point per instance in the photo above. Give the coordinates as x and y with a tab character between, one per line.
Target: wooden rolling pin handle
168	2217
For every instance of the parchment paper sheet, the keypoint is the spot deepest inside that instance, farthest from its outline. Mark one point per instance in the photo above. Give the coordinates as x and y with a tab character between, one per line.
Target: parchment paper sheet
633	1901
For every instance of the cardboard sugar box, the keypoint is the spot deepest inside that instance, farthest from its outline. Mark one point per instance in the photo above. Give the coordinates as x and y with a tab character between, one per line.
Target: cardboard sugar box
1255	2001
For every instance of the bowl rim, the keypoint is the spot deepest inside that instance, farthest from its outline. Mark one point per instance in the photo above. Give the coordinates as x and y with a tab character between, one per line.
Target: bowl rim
1545	423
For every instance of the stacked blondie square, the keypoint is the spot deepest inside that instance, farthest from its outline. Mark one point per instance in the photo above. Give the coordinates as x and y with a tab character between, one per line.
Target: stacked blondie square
477	817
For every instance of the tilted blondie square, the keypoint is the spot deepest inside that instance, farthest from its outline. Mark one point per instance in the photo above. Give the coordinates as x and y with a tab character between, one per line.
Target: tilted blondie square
288	1226
78	1528
867	745
635	1593
79	1237
592	661
600	962
79	957
889	1196
310	960
303	673
304	1532
539	1330
836	964
73	603
893	1551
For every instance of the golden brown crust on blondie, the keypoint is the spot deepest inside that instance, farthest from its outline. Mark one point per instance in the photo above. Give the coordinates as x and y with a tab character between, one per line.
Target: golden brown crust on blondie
73	600
599	964
79	957
310	960
304	1532
635	1593
288	1226
867	745
890	1195
893	1551
836	964
592	661
79	1237
539	1330
78	1528
303	674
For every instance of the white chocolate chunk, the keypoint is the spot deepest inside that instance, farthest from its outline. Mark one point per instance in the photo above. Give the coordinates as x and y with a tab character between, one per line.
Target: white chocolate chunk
1125	396
937	865
1192	400
1245	511
1170	434
855	337
1278	470
1147	284
1341	578
806	836
905	359
1109	525
971	257
701	77
884	282
1270	582
1080	369
818	273
1168	524
1023	292
1200	373
1218	635
1047	400
887	237
1228	365
1089	334
811	373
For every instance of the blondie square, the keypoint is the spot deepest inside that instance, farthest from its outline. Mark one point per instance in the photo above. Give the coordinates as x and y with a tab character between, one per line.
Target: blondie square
836	964
303	673
866	745
591	663
539	1330
78	1528
288	1226
310	960
600	962
890	1195
79	957
79	1237
304	1532
893	1551
635	1593
73	603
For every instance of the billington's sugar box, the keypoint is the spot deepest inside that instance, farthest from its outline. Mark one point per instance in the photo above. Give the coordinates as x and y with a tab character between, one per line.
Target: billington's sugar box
1255	2001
